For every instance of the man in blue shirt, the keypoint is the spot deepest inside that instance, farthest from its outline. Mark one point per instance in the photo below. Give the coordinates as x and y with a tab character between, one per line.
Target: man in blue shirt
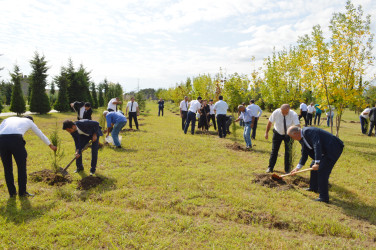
248	118
115	122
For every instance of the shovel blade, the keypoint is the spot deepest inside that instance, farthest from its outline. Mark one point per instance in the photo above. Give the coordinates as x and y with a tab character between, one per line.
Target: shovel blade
62	171
276	177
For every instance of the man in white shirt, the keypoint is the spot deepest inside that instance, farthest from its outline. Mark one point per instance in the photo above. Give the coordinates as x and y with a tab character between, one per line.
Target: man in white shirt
78	107
364	116
283	118
256	110
303	112
193	109
133	111
220	109
184	111
112	104
310	110
248	117
12	130
212	114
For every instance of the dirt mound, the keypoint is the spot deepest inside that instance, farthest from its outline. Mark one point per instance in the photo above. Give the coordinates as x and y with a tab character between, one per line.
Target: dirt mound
236	146
89	182
50	177
282	184
299	181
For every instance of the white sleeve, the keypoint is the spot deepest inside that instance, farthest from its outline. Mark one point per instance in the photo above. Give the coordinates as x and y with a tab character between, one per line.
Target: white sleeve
181	104
39	133
272	117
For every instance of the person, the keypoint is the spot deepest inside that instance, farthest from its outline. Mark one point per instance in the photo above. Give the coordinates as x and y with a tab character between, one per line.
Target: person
12	142
283	118
82	132
310	110
184	111
241	121
220	109
212	114
160	106
256	111
78	107
324	149
228	122
372	119
329	116
303	112
203	121
191	116
249	118
88	111
317	114
115	122
112	104
132	111
364	116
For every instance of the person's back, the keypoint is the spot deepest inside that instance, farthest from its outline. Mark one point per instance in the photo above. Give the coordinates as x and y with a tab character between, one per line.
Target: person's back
114	117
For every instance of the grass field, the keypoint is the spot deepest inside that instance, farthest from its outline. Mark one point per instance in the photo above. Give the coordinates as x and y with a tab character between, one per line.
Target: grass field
171	190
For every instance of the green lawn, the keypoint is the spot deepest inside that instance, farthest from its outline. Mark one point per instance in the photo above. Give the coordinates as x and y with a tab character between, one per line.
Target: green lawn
171	190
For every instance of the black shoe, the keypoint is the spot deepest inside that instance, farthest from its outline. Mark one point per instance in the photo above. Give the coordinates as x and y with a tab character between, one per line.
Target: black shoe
269	170
253	138
321	200
27	195
118	147
92	173
13	195
311	190
78	170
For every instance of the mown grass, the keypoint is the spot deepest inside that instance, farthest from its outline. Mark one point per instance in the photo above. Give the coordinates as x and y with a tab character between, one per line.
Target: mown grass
171	190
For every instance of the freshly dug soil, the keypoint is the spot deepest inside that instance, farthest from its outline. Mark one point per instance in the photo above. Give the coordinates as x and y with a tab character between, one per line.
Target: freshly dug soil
89	182
236	146
50	177
282	184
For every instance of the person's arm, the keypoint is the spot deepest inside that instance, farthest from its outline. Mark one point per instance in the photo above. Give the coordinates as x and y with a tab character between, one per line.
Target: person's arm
240	117
268	126
260	112
303	159
126	111
117	102
44	138
138	110
253	121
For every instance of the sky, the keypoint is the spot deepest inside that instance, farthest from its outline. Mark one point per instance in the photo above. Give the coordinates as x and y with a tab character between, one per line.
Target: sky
157	43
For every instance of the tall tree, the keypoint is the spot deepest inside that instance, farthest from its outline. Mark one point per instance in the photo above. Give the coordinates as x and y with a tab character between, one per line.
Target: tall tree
62	102
39	101
94	95
17	103
100	96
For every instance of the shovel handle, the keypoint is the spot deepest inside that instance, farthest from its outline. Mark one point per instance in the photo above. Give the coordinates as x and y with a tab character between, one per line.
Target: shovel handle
300	171
86	146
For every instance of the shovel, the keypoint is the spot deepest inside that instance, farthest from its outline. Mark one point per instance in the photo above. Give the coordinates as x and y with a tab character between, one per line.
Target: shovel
63	171
279	177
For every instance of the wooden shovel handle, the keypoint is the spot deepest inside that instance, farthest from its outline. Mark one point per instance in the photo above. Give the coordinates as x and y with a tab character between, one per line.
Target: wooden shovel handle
300	171
86	146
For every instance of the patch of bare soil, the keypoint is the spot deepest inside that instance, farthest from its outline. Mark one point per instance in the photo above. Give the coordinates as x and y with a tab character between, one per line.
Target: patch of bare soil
177	114
236	146
354	122
89	182
199	132
250	217
50	177
281	184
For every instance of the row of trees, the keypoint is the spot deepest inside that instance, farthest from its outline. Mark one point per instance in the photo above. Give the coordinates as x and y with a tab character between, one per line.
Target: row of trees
326	70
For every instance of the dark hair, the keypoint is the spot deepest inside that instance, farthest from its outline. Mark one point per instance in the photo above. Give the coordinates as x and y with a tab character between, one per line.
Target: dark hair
210	100
87	104
220	97
199	98
252	101
67	124
29	117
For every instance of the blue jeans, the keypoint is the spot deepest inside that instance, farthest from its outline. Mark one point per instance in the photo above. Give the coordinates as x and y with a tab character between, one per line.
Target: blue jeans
327	121
247	134
191	118
115	132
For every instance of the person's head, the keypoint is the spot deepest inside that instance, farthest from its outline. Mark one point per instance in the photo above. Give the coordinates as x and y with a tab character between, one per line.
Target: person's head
199	98
311	103
220	97
241	108
211	101
87	105
160	99
186	98
285	109
252	101
132	98
69	126
204	102
117	99
105	113
29	117
243	103
295	133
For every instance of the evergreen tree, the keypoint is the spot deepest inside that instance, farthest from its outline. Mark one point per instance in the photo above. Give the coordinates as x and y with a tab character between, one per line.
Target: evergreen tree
52	90
94	95
140	100
62	102
106	89
39	101
17	103
100	96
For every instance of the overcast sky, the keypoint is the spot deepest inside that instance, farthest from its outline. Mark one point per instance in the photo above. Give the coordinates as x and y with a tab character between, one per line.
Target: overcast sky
156	43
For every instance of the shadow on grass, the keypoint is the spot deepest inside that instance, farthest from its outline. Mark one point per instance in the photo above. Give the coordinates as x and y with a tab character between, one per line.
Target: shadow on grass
26	213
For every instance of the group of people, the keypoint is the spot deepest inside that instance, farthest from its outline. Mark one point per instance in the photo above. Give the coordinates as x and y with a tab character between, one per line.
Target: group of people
308	111
368	116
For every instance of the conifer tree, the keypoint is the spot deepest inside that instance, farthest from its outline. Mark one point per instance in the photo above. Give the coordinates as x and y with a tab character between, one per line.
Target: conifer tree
39	101
62	102
94	95
17	103
100	96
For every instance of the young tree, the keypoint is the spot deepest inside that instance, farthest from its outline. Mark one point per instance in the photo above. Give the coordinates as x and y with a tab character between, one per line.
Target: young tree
100	96
140	100
39	100
62	102
94	95
17	103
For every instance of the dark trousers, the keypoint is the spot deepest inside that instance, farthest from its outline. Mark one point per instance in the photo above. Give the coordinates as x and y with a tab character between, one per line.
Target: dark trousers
184	115
94	154
304	115
221	122
254	128
191	117
277	140
373	125
212	117
363	124
14	144
309	119
133	115
318	117
159	111
320	179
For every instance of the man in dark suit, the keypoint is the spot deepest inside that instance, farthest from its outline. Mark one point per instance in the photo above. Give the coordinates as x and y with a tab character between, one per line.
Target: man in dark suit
372	119
160	106
78	107
325	149
88	111
82	132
